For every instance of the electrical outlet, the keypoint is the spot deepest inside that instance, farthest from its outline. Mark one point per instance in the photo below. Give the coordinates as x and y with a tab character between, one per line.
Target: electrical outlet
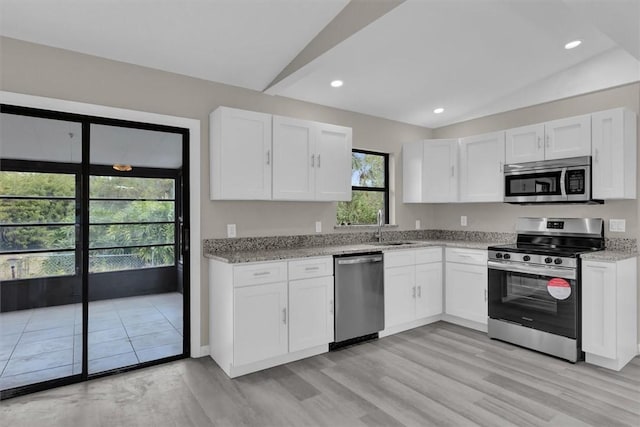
231	230
318	226
418	224
617	225
463	220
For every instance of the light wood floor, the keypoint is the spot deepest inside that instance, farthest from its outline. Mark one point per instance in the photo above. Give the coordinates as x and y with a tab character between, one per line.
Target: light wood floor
439	374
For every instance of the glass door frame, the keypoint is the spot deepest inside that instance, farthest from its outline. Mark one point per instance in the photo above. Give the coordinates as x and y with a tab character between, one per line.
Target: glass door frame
82	237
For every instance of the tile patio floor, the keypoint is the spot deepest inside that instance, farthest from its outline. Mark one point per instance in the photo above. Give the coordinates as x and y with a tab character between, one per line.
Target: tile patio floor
46	343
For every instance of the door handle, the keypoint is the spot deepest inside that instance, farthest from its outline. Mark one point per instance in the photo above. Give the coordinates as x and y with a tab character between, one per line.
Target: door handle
313	160
597	156
563	186
284	315
414	291
485	295
420	291
548	143
539	143
318	160
331	306
501	167
452	171
268	157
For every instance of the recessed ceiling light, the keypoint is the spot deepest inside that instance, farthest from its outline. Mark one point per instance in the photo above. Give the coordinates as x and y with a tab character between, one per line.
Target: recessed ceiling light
438	110
573	44
337	83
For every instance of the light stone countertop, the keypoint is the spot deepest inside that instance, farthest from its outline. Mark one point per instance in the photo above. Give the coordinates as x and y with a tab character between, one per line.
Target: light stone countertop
606	255
316	251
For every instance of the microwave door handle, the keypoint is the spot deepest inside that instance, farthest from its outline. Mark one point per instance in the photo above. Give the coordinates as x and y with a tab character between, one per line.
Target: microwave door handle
563	186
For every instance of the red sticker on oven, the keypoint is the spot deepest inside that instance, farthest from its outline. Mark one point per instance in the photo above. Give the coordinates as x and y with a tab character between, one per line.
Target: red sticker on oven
559	288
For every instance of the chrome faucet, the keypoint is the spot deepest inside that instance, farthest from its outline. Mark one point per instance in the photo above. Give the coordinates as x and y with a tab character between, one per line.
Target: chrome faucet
379	234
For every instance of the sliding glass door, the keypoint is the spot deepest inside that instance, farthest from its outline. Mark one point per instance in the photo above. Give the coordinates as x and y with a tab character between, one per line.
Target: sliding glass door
92	277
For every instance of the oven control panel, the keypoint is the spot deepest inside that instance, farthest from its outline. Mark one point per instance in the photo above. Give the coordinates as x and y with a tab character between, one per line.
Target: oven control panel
516	257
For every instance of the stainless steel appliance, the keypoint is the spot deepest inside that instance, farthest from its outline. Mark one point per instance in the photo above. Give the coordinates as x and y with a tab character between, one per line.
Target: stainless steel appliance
549	181
359	297
534	284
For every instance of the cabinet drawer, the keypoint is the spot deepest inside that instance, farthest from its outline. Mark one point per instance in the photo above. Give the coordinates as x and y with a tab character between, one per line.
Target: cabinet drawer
467	256
399	258
424	256
313	267
255	274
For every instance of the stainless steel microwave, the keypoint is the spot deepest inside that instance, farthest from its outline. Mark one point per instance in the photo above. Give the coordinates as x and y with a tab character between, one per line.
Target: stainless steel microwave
549	181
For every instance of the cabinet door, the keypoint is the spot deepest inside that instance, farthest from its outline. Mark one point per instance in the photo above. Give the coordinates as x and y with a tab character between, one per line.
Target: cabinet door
525	144
240	151
466	291
260	322
333	163
481	163
399	295
569	137
412	172
293	157
599	308
428	290
310	312
440	171
613	147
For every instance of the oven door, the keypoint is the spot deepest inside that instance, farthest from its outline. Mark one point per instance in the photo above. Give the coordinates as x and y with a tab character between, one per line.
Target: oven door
543	298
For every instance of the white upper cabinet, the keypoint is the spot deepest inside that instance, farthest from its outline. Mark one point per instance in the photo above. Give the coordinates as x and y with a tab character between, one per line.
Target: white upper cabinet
569	137
440	171
613	147
312	161
525	144
294	143
412	172
333	162
558	139
481	168
257	156
240	144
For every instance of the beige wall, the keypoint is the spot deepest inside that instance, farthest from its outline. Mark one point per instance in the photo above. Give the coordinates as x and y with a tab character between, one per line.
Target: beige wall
43	71
500	216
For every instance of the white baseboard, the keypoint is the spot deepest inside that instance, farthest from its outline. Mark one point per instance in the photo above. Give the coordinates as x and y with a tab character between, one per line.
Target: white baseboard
204	351
482	327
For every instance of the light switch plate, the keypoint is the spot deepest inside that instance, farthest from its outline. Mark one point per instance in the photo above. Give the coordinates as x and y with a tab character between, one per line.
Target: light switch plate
418	224
463	220
231	230
617	225
318	226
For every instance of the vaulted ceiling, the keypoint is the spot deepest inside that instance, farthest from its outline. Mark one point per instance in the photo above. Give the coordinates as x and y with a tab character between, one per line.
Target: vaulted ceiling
398	59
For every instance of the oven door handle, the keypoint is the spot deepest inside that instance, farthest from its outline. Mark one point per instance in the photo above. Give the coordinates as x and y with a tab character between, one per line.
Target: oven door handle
565	273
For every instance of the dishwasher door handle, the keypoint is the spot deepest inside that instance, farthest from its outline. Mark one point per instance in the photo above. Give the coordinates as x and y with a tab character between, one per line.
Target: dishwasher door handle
363	260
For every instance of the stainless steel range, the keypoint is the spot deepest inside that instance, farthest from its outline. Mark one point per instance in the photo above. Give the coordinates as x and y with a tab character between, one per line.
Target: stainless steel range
534	284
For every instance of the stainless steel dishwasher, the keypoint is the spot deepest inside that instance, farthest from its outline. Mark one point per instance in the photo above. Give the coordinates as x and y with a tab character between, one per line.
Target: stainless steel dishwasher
359	298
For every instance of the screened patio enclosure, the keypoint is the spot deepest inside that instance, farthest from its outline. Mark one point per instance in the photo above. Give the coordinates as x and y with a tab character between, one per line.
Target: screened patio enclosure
92	256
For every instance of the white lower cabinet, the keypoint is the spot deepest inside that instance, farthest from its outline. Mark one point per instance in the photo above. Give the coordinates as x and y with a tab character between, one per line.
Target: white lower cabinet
466	287
266	314
260	320
310	323
609	312
412	288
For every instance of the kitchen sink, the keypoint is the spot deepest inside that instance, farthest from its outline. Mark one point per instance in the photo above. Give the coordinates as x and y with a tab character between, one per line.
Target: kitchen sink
395	243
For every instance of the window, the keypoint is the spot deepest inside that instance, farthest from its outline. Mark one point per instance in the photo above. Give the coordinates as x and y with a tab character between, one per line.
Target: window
131	223
370	189
37	224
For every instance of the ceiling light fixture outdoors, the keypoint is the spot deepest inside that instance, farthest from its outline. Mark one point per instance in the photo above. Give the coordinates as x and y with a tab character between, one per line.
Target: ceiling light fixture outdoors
122	168
438	110
573	44
337	83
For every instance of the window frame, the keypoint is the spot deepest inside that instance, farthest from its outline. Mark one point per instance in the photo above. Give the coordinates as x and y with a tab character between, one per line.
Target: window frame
384	189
